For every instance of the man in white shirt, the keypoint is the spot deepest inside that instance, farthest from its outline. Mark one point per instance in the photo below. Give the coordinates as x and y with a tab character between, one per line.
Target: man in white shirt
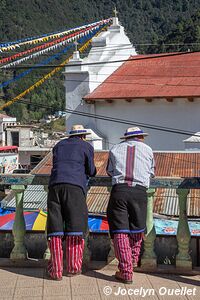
131	165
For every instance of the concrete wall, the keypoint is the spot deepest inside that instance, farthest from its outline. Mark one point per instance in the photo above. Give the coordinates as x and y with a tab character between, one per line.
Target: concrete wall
165	247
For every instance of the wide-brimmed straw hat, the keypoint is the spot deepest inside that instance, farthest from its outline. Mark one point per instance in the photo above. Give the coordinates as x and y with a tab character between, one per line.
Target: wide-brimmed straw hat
78	130
133	132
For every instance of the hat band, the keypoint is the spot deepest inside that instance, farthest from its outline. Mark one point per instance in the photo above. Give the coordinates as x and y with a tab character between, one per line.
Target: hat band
77	131
134	132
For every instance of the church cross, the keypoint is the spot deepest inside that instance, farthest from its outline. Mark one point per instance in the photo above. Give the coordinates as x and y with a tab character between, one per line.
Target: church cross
115	12
76	45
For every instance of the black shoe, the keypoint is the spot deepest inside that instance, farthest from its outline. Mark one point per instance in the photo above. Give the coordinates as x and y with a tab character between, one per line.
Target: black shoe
52	278
73	274
119	277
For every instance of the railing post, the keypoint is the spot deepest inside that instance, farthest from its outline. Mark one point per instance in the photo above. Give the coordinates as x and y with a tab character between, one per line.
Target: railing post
19	229
149	257
47	253
87	252
111	259
183	259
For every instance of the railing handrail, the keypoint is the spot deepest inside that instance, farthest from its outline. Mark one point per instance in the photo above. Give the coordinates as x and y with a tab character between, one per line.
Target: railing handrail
156	182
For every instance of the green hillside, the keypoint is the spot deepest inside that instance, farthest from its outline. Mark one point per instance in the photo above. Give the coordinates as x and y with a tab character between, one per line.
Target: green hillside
143	20
172	25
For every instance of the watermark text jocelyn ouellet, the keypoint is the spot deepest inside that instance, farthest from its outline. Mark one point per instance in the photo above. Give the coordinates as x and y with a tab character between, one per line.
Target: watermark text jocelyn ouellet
144	292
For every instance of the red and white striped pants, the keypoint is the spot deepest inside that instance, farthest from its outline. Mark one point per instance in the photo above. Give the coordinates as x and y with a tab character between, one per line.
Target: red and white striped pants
127	250
74	255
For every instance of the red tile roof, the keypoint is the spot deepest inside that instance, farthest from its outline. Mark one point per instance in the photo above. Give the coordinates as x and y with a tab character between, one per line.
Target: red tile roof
148	76
168	164
5	116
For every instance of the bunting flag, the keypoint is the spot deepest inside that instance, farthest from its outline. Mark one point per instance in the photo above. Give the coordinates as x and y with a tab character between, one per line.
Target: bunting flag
90	33
7	46
55	70
54	45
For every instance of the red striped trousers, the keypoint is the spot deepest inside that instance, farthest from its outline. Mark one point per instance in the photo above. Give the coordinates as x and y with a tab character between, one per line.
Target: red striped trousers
55	264
127	250
74	255
135	240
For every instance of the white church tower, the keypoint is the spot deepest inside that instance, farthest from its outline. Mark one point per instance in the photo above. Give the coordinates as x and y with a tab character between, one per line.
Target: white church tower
82	76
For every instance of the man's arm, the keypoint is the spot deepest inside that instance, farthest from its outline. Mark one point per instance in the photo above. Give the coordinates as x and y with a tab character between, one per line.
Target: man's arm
90	166
152	167
109	168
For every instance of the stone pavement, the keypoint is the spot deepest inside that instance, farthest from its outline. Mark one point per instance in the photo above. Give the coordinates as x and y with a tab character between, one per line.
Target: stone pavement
31	283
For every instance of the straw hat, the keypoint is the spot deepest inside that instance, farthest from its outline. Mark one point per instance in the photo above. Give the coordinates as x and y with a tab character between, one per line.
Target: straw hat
78	130
133	132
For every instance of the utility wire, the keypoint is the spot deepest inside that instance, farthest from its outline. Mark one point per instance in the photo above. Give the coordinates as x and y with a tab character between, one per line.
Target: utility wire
102	51
120	121
134	83
115	120
35	76
109	62
116	47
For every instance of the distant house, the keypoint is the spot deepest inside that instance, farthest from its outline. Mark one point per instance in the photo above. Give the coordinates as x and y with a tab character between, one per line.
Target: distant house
5	121
30	150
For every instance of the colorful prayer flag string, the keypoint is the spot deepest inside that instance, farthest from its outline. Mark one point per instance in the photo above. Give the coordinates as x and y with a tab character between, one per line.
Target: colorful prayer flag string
7	46
50	74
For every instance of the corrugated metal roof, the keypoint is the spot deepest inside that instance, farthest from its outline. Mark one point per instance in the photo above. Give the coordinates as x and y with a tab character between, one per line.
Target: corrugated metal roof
168	164
44	166
152	77
184	164
97	199
35	197
166	202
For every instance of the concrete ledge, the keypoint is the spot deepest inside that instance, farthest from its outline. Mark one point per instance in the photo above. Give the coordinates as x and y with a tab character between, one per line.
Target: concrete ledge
23	263
160	269
98	265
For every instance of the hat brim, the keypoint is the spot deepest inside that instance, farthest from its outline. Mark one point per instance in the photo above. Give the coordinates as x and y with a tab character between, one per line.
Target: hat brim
134	135
74	134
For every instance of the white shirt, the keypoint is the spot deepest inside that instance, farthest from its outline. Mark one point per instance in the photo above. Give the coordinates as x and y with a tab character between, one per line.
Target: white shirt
131	162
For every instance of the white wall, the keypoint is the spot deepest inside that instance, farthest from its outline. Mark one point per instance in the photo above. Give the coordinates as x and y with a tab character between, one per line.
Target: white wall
80	80
179	114
5	122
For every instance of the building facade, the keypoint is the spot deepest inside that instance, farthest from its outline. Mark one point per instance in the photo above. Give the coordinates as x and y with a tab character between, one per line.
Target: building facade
159	93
